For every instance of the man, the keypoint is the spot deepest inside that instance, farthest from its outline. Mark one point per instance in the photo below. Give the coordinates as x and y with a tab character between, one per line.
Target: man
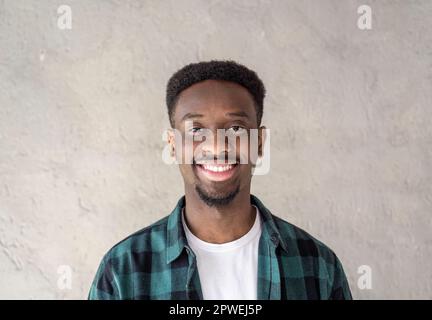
219	242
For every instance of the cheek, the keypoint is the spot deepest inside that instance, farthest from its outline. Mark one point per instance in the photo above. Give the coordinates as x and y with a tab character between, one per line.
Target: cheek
189	175
242	151
245	176
186	169
185	154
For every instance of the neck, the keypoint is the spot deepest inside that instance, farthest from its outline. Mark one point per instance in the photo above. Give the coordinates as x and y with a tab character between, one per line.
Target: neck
219	224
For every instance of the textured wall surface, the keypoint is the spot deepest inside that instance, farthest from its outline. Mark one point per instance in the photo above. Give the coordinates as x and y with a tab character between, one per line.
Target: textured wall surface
82	114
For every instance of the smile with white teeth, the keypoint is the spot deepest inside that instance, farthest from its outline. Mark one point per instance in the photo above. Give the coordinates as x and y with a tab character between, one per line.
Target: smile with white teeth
217	172
217	168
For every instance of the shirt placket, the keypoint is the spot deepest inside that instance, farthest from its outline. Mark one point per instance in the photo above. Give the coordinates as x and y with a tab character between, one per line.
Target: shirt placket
269	287
193	285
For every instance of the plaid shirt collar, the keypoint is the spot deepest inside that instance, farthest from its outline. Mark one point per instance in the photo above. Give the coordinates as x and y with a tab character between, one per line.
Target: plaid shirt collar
176	238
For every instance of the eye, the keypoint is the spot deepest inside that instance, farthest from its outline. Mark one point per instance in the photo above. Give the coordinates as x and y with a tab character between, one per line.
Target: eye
236	130
195	131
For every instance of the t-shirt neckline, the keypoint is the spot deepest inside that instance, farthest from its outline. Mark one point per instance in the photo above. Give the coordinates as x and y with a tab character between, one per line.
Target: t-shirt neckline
222	247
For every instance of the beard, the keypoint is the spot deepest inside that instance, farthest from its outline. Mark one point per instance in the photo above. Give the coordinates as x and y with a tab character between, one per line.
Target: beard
216	200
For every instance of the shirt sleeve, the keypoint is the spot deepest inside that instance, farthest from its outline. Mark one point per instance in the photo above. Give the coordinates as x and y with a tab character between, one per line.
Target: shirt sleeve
340	289
104	285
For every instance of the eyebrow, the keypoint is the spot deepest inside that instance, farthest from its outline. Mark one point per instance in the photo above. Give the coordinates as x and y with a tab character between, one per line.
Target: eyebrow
237	114
193	115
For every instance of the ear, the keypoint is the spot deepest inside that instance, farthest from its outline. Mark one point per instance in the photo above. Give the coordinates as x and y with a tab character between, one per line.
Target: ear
171	141
261	140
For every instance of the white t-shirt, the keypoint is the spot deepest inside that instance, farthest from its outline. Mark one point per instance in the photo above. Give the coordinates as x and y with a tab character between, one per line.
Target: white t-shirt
228	270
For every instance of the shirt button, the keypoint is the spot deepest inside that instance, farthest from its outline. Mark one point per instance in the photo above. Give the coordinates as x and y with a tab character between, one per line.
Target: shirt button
274	239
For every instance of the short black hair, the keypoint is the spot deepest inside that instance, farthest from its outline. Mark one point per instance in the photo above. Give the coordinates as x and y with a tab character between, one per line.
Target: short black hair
227	70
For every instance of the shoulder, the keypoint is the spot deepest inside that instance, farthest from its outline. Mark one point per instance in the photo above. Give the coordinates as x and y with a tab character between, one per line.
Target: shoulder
151	238
303	242
121	265
315	260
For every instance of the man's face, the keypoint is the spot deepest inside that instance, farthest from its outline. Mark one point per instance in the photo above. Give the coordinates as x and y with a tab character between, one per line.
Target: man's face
217	168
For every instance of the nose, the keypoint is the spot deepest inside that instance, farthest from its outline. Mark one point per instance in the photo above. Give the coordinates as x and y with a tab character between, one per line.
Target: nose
220	148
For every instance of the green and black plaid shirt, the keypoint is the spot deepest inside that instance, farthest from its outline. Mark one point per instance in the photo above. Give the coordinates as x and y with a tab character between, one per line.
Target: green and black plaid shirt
157	263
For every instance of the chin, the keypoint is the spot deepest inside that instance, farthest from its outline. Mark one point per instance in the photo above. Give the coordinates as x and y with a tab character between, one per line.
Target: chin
217	199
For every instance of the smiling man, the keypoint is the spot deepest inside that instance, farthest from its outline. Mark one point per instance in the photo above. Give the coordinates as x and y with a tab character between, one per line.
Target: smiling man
220	241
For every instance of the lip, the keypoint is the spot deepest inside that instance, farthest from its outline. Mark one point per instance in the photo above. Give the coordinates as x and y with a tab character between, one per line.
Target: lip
217	176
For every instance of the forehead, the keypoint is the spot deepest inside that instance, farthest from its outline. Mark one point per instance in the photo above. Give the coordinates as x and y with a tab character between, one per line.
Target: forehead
215	98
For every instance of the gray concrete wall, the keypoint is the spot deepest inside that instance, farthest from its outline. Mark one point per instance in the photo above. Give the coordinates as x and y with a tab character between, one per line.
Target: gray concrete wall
82	113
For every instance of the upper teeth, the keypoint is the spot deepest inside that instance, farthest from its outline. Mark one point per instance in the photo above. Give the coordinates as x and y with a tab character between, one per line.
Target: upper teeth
217	168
